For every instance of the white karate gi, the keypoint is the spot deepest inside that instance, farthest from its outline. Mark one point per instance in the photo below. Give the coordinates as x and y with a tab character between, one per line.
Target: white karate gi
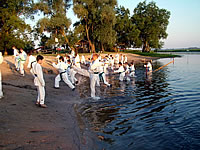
122	59
102	74
132	71
117	58
125	59
77	61
83	59
1	61
39	81
94	76
122	73
31	59
23	57
62	68
16	56
149	66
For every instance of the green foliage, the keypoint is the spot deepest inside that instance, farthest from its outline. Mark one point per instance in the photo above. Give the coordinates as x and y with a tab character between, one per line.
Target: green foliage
56	22
151	54
152	23
14	30
97	19
127	32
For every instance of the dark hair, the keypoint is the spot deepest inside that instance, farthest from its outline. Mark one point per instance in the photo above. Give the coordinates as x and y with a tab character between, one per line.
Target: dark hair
68	61
39	57
61	58
120	63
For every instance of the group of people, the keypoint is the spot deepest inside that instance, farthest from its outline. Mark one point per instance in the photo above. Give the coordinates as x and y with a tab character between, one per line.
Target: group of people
96	68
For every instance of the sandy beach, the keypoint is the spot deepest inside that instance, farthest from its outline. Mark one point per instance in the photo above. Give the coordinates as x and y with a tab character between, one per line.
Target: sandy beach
23	125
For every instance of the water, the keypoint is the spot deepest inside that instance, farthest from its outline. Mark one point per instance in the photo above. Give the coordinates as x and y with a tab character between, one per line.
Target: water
161	111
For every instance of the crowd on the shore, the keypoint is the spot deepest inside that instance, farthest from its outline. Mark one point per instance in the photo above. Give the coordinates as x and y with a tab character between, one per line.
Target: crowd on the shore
98	67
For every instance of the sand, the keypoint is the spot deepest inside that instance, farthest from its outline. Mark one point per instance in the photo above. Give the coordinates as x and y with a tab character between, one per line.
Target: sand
23	125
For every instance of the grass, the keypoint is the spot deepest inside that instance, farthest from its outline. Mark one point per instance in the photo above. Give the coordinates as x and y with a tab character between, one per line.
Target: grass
152	54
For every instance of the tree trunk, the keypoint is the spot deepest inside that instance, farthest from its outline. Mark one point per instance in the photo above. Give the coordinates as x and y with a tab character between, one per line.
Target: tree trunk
102	48
146	47
91	45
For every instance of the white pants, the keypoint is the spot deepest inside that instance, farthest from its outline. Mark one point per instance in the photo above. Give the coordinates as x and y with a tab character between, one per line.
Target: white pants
121	76
1	92
104	79
83	72
132	74
22	67
93	80
17	62
65	79
72	74
41	94
105	69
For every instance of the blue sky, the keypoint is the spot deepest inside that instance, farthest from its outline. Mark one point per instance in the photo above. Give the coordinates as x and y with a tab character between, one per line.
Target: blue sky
184	24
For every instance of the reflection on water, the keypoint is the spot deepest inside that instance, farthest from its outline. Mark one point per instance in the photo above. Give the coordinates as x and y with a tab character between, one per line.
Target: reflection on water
161	111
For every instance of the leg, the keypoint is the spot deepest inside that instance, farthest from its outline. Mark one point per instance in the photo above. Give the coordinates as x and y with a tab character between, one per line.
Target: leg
42	94
121	76
92	85
66	80
104	80
57	80
22	68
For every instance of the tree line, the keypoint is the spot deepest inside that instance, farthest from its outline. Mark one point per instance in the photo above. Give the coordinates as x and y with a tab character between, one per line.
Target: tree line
102	23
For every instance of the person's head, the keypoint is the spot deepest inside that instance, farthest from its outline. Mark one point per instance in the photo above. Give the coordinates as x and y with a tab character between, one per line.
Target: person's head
39	59
95	57
126	64
61	58
30	53
21	50
120	64
13	47
132	63
68	61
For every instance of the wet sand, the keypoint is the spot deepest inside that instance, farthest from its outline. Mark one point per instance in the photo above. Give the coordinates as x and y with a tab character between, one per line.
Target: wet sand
23	125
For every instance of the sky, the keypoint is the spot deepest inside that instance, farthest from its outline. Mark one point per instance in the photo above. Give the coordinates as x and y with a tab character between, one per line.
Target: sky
184	23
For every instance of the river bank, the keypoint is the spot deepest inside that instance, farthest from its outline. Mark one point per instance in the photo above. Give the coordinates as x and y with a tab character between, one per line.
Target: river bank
26	126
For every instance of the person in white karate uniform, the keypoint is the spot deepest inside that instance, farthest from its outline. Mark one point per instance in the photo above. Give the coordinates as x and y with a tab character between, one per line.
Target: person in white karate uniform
102	74
77	61
1	91
121	71
117	58
39	82
71	73
94	74
122	59
31	59
23	57
62	69
16	56
148	66
127	71
132	70
83	60
125	59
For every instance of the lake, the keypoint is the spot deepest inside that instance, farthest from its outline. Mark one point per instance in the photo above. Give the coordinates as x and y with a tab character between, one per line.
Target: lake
158	111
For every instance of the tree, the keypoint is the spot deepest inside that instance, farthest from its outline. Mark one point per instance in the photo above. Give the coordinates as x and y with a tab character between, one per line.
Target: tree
14	30
152	23
127	32
55	21
97	18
